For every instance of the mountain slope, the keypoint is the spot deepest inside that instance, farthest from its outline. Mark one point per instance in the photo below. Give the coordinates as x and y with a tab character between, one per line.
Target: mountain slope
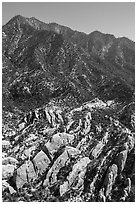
36	48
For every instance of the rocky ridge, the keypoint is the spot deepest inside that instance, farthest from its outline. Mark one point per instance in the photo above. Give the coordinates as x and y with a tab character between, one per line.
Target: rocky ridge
80	155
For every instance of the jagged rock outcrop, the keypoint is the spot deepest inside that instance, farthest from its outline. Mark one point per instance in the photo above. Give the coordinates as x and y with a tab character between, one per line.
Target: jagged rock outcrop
78	173
85	162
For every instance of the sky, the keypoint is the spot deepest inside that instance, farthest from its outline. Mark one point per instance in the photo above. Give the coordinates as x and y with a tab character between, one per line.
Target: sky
117	18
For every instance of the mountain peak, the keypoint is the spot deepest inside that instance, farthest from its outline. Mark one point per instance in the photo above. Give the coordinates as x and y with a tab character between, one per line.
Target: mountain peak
38	24
17	17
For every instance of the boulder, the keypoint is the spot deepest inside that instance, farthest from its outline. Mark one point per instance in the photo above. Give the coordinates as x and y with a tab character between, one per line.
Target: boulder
110	179
31	174
60	162
41	162
126	190
28	152
55	143
7	171
64	188
48	116
31	138
78	170
25	174
64	138
5	185
97	150
58	112
22	126
53	118
9	160
87	124
128	184
101	197
21	177
72	152
69	124
78	128
4	155
131	141
16	148
5	144
77	173
121	160
49	131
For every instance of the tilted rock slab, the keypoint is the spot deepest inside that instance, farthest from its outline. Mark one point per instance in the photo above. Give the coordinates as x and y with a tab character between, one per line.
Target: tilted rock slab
78	172
61	161
41	162
25	173
110	179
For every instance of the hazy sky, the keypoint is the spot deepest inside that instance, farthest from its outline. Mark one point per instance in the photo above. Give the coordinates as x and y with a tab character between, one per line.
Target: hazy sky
114	17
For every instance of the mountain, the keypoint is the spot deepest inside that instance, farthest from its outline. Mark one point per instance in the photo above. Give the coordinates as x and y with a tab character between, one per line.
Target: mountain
61	59
67	97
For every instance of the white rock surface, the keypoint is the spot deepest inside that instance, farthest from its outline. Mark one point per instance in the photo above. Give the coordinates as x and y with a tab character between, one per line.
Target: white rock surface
77	173
5	144
9	160
5	185
25	174
7	171
41	162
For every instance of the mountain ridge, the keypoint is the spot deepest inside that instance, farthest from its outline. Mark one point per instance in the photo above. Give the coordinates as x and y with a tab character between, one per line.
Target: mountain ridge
40	21
104	52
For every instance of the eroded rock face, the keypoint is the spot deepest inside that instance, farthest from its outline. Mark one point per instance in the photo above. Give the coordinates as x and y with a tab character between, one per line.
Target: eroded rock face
85	162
